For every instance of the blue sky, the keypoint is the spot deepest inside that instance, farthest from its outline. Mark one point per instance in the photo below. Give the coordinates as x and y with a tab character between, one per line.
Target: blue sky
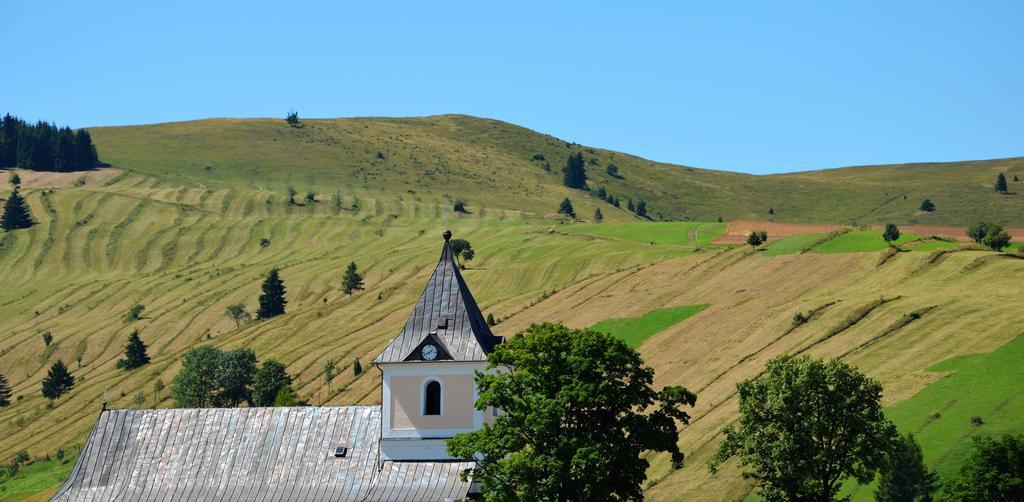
746	86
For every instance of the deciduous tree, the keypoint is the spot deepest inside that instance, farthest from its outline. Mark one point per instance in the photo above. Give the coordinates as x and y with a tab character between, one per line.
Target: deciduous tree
270	378
994	471
211	378
578	409
891	233
463	251
805	426
237	313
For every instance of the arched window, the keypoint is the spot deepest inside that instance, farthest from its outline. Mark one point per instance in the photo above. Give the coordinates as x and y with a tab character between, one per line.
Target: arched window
432	398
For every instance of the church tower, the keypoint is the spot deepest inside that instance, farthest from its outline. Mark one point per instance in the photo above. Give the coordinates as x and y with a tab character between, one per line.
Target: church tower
427	371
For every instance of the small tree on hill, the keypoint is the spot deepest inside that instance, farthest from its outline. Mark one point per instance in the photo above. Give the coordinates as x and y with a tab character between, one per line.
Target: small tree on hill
291	195
237	313
135	354
490	320
806	426
566	208
352	281
460	206
15	179
270	378
927	205
995	237
47	338
905	478
641	208
58	381
5	391
16	213
272	301
629	205
754	239
1000	184
612	170
292	118
463	251
994	471
578	411
310	198
977	231
598	217
891	233
329	373
134	313
211	378
357	368
574	175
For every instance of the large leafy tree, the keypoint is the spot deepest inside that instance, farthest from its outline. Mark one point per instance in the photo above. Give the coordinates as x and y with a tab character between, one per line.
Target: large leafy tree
905	477
993	472
16	213
270	379
805	426
578	410
213	378
135	354
272	301
574	175
995	237
58	381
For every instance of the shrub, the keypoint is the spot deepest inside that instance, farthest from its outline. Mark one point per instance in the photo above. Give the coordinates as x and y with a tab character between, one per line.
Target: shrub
134	313
460	206
47	338
927	205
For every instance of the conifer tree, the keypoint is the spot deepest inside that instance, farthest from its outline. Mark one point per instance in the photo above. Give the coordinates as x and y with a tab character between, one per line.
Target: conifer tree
629	205
905	478
134	353
490	320
566	208
598	217
357	368
1000	184
272	301
641	208
352	281
5	391
58	381
754	239
927	205
891	233
16	213
574	175
15	179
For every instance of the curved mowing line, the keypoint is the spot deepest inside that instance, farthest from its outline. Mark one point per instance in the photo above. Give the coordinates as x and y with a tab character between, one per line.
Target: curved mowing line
114	239
69	239
51	231
142	256
225	203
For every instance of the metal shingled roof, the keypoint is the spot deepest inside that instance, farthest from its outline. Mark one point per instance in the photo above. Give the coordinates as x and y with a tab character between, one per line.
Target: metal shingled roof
249	454
447	308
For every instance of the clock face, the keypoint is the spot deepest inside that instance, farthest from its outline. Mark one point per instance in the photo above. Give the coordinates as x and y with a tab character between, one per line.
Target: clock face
429	352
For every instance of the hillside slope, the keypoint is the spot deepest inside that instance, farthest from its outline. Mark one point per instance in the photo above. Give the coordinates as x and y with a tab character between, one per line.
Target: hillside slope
491	164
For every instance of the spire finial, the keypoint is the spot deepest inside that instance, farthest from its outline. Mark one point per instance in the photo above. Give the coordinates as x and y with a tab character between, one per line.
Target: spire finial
447	235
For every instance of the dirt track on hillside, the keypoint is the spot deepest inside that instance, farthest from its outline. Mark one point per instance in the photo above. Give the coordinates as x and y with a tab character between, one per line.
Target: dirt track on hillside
737	231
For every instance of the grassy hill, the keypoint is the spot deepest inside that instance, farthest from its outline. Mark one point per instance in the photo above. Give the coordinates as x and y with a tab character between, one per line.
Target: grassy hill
491	164
162	230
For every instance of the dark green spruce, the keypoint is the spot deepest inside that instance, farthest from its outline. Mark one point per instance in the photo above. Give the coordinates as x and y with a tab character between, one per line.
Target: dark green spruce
272	301
16	213
352	281
135	355
58	381
574	176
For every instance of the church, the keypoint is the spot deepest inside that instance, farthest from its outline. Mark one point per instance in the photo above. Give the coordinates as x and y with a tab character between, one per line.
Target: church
394	451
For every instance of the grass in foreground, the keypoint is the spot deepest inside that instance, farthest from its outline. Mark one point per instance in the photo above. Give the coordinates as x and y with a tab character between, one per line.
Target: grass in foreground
636	330
943	415
37	478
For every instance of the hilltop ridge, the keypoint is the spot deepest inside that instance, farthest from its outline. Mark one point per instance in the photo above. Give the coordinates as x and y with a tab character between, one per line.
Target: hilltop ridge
494	164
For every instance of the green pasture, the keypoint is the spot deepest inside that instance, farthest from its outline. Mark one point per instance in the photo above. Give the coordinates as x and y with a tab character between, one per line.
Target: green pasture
38	477
636	330
682	233
859	241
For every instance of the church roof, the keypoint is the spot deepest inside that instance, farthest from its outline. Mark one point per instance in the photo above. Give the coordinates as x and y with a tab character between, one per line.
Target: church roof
248	454
447	310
